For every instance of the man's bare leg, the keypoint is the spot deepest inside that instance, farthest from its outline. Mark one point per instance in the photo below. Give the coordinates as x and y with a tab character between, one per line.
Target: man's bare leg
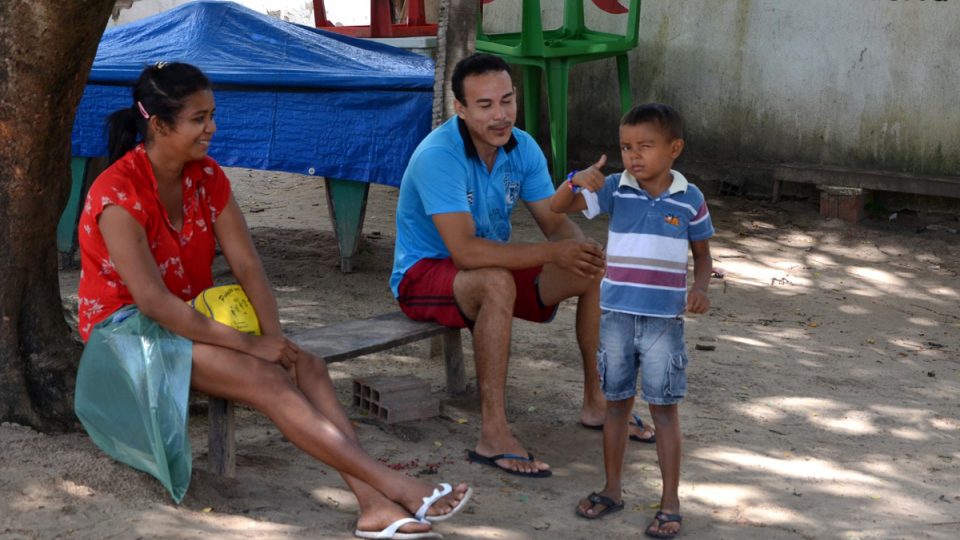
557	285
487	297
593	410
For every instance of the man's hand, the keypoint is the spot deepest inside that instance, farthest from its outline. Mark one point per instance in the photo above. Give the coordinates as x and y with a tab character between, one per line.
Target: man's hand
591	178
698	301
584	258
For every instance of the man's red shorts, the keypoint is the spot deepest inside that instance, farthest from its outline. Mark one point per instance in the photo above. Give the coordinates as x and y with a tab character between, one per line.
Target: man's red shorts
426	294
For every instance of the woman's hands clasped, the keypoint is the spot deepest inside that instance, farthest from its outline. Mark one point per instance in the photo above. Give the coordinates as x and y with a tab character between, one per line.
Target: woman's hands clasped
275	348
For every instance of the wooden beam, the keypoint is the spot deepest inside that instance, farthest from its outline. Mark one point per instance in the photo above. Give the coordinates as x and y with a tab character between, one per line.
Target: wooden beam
937	186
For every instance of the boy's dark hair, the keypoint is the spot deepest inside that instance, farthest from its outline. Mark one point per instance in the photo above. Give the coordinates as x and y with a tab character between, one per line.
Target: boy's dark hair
160	91
664	116
475	64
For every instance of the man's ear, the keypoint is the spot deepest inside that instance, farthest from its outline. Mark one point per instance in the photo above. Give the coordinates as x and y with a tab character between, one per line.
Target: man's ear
459	108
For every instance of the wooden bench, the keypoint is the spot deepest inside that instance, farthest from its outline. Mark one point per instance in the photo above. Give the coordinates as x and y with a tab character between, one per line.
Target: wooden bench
939	186
336	343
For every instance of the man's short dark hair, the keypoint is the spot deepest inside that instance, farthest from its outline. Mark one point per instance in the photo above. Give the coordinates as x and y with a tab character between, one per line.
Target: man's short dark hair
664	116
475	64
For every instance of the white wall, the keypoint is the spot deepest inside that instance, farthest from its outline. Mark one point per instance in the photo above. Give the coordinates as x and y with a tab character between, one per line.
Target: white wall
864	83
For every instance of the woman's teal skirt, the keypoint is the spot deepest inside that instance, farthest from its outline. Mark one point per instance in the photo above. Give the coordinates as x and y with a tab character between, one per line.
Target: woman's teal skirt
132	390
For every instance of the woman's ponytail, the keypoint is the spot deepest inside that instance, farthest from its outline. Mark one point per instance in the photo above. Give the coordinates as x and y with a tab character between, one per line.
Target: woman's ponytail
123	132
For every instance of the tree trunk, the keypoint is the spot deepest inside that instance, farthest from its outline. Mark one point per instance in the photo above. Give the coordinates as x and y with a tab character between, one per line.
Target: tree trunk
47	50
456	37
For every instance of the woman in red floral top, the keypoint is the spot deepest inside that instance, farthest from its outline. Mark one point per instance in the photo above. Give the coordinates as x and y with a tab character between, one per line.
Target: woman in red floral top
147	238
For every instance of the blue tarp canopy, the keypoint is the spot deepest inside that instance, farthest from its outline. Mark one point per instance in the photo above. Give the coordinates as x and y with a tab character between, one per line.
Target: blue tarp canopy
288	97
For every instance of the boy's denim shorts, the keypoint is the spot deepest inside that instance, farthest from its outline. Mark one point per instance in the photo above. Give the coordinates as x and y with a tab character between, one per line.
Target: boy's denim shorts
651	345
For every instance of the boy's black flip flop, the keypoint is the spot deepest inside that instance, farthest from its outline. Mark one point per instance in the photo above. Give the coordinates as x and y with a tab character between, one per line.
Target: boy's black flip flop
662	519
609	506
652	439
491	461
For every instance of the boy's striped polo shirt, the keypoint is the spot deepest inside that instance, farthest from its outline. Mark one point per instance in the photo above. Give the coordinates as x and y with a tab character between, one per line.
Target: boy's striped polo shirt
648	243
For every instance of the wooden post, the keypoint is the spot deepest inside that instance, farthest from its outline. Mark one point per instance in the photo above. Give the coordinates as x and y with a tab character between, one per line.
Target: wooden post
456	36
222	452
453	359
436	347
777	187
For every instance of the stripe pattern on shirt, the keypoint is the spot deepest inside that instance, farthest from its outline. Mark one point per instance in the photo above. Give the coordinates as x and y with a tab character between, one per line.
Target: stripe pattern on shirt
648	244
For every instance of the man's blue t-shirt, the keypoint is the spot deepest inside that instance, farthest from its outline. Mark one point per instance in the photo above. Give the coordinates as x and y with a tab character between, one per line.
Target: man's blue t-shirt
446	175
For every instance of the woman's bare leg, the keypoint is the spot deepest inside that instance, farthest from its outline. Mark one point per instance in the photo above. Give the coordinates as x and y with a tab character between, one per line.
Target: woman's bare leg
314	381
270	389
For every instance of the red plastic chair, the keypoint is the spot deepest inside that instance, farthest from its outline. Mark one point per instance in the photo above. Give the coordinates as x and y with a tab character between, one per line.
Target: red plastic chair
381	21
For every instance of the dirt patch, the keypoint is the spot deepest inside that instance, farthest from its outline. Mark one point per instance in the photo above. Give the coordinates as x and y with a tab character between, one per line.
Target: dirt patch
829	408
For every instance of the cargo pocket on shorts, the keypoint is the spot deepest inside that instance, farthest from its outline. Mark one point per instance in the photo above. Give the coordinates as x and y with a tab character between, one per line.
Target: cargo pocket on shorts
677	376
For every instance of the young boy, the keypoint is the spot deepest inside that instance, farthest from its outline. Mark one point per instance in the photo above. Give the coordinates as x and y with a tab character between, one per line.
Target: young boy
654	215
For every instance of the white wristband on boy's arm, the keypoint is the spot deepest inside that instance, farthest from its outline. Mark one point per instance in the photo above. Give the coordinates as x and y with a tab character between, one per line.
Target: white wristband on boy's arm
593	204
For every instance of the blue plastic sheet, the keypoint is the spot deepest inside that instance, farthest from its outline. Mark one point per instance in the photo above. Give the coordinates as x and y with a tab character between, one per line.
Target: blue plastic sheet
288	97
132	393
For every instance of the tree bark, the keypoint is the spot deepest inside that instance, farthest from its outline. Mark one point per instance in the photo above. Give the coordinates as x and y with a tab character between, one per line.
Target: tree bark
456	39
47	50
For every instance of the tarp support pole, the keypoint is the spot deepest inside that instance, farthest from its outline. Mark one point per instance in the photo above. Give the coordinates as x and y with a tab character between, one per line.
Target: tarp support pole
67	227
347	205
83	171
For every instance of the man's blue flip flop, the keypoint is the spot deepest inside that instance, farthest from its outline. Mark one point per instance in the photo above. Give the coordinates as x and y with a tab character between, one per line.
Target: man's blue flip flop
492	462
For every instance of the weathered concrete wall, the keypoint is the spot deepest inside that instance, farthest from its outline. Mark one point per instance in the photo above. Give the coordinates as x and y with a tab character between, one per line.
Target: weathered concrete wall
860	83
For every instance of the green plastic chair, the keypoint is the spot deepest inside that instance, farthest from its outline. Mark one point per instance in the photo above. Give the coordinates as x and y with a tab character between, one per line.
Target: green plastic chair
553	52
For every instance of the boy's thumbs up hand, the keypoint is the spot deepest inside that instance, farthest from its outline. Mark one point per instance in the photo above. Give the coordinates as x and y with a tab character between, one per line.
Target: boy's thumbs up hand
600	163
591	178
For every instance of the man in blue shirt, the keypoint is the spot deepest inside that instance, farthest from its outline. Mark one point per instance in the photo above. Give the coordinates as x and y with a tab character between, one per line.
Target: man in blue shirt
454	263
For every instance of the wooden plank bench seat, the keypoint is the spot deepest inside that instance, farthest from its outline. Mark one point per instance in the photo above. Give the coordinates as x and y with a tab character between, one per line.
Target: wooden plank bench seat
336	343
939	186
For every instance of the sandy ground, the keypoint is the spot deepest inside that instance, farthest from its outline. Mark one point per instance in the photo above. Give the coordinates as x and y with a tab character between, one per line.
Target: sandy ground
829	409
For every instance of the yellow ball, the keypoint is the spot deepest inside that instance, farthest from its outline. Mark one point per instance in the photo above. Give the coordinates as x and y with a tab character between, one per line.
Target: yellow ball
229	305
